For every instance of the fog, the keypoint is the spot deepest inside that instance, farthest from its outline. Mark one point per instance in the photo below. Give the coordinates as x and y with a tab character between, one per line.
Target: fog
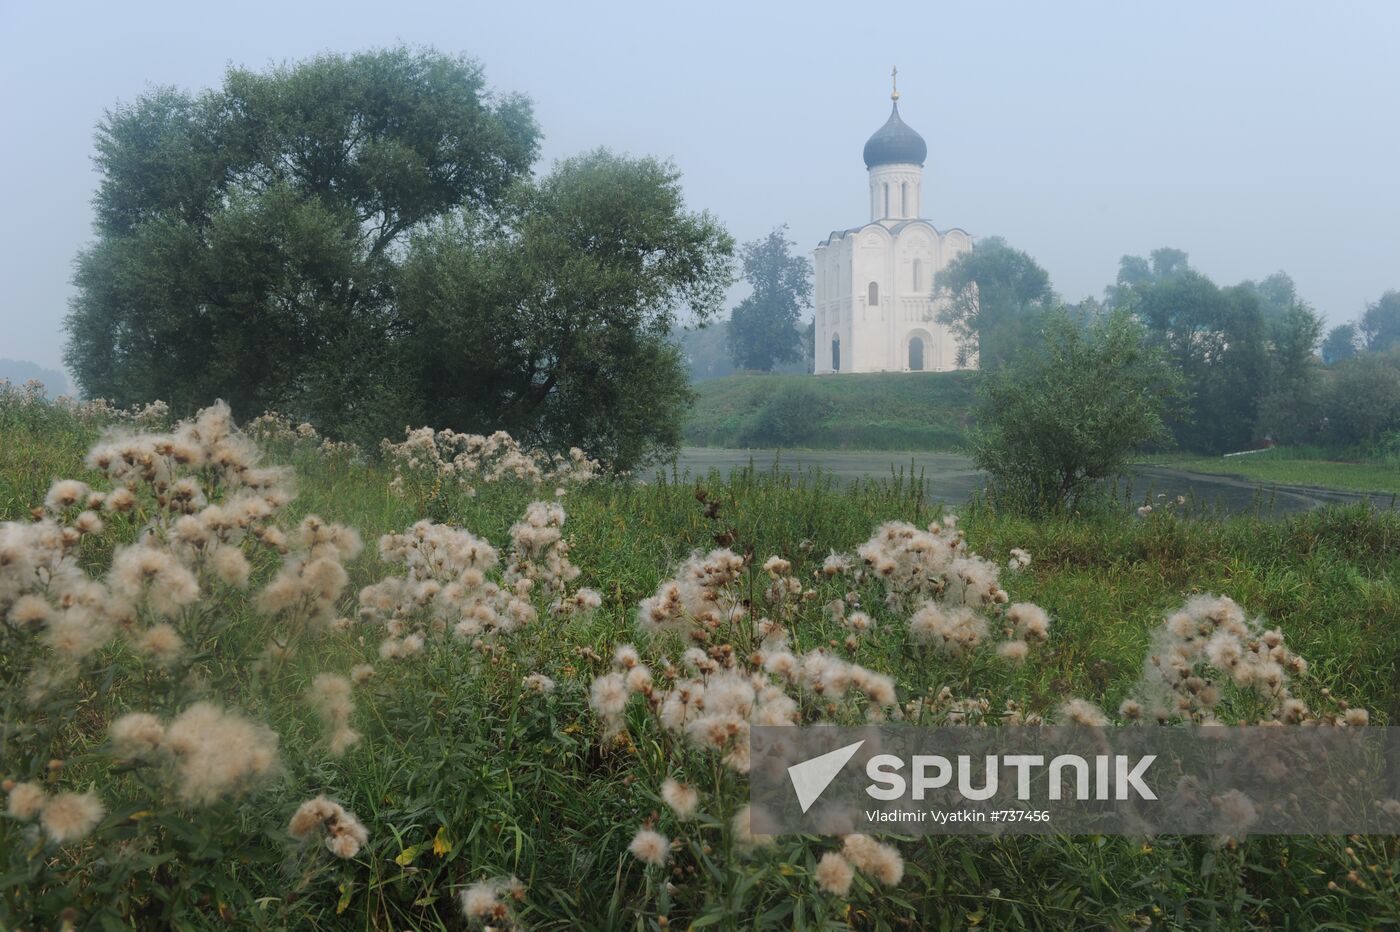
1256	137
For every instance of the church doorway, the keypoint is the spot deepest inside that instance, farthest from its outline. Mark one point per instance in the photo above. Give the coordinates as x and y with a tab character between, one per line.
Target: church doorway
835	354
916	354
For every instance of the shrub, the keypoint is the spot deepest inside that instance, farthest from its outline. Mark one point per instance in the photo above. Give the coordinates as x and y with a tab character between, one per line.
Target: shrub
1363	400
1058	420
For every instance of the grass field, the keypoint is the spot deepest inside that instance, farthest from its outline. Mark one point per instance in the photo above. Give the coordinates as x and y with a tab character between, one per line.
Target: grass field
463	776
863	411
1299	466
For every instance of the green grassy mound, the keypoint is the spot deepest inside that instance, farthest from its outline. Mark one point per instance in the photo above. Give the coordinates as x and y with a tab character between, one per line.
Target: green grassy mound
874	411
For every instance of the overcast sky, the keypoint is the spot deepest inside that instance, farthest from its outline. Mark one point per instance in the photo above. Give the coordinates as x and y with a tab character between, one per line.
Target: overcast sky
1255	136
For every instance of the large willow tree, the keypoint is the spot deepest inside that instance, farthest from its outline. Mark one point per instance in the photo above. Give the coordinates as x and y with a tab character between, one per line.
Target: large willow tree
248	237
252	244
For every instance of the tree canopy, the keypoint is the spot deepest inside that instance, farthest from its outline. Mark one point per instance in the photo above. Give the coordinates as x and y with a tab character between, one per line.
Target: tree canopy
1278	296
556	325
268	242
764	329
1215	337
993	297
1363	402
247	237
1380	325
1289	408
1341	343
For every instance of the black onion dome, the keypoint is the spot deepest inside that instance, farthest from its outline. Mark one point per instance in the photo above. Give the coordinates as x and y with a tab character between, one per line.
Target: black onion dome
895	143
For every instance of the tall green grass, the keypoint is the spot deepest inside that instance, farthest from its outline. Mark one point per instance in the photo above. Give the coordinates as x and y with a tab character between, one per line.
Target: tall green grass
454	753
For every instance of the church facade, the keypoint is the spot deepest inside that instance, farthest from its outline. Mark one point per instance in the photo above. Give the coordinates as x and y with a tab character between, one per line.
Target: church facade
874	304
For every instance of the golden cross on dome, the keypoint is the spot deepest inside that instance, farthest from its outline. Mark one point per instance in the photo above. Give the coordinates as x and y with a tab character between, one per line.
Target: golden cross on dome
894	83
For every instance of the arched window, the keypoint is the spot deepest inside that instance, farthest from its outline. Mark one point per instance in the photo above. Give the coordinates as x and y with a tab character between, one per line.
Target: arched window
916	354
835	354
872	296
918	274
887	198
904	199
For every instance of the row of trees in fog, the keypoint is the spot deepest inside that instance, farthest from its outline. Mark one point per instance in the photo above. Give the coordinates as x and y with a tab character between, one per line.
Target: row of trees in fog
1247	354
1376	331
1168	357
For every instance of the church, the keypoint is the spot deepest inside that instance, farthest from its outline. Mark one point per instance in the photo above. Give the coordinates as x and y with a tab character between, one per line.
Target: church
875	310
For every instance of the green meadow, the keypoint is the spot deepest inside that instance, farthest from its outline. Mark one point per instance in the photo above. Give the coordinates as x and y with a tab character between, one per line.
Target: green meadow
864	411
462	775
1304	466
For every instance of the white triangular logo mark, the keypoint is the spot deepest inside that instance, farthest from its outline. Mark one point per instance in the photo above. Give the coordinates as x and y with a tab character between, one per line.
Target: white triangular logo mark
811	777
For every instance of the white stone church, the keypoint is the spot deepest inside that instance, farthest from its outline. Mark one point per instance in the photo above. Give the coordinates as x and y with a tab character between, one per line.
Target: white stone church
874	283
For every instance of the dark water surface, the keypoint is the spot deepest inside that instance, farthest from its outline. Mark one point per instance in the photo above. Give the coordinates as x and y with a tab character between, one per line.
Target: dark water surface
951	478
